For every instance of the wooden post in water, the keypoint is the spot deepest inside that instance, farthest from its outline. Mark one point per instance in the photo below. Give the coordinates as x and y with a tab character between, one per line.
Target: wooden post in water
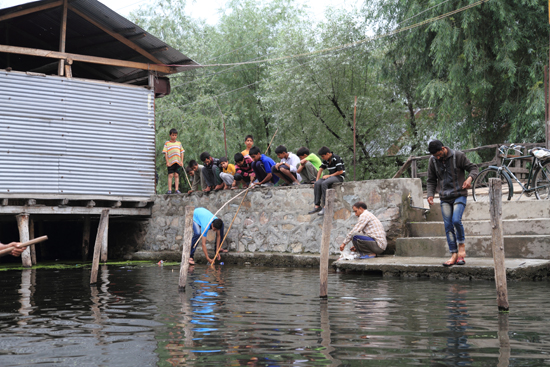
186	248
495	208
325	242
105	242
86	238
504	341
98	241
31	237
23	226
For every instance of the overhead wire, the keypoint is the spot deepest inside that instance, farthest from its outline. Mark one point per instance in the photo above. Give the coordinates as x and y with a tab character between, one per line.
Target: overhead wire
351	44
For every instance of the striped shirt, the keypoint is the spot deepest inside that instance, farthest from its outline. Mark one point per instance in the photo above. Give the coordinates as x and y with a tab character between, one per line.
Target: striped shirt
335	164
371	227
173	152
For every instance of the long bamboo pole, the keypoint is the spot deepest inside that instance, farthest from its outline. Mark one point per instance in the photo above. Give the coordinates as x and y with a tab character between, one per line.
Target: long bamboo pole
354	142
7	250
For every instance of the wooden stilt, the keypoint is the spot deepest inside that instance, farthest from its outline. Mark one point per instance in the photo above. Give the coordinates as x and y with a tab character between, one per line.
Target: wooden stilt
98	241
105	243
325	242
31	237
495	207
86	238
23	226
186	248
504	341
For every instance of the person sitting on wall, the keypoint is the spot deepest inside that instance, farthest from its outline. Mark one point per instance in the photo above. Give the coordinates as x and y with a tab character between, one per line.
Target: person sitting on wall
309	165
262	168
249	143
16	251
287	168
335	166
194	170
244	174
173	153
368	235
228	174
211	172
203	221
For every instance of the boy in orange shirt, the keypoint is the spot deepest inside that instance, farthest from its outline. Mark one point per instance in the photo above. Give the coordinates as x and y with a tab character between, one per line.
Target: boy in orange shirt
173	152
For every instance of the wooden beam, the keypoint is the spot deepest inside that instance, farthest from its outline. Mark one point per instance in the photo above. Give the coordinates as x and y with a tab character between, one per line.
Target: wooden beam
4	202
63	37
88	59
31	10
97	247
76	197
31	237
105	241
75	210
186	248
31	202
64	202
23	226
90	204
122	39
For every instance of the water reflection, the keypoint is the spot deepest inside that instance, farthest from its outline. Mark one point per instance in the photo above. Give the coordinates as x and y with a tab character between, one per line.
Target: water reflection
504	340
457	342
28	284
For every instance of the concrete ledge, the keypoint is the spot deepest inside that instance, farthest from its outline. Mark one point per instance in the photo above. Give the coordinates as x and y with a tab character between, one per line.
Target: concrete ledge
240	258
431	267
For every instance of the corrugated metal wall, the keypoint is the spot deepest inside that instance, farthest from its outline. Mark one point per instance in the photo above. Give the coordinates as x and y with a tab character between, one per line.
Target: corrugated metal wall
70	136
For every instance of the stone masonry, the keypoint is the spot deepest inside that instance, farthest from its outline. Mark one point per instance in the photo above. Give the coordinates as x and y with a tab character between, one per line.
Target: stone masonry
275	219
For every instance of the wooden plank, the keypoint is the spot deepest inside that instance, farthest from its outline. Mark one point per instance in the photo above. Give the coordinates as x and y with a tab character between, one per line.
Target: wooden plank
325	242
495	208
414	168
76	210
63	37
23	226
68	71
404	167
31	10
31	237
76	197
86	238
186	247
89	59
97	247
117	36
90	204
105	241
4	202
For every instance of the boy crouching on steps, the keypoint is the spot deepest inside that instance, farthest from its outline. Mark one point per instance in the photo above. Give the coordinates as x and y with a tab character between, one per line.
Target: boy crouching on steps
173	152
244	173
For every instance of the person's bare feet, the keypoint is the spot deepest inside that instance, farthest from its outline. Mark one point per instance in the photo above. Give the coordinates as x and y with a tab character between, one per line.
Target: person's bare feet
461	250
452	260
218	187
191	261
208	189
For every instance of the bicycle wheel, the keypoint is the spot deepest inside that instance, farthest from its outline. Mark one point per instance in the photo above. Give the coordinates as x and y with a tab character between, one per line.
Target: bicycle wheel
480	186
542	179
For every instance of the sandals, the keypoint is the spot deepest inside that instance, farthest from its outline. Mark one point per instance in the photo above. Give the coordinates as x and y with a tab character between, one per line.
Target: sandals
191	261
460	261
450	263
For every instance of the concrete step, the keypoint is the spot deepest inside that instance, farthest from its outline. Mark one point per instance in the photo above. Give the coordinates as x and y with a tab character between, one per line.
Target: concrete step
523	227
510	210
522	247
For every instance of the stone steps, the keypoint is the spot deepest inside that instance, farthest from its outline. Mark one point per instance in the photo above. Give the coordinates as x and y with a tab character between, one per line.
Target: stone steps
510	210
523	227
526	226
528	247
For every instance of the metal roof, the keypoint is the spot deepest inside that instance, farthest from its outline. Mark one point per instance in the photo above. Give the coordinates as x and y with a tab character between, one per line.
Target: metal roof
41	30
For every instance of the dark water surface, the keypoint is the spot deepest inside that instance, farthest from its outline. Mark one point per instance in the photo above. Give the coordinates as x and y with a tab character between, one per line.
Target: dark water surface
233	316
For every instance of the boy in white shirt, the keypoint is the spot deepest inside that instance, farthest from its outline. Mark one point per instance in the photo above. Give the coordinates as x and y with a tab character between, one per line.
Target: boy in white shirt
287	168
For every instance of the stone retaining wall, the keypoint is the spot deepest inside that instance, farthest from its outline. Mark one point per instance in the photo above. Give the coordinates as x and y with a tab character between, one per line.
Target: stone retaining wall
276	220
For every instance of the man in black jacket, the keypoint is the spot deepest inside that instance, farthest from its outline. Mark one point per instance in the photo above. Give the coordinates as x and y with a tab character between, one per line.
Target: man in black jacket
446	172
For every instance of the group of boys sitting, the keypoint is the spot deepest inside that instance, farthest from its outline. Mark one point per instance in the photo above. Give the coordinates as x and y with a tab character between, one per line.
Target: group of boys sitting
256	169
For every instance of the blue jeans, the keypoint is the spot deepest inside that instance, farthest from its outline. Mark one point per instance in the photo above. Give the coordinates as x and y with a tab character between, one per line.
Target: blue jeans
452	217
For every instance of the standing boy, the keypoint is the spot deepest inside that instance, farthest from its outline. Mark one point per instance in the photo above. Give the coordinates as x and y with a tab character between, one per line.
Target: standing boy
249	142
446	170
203	221
287	168
262	168
243	170
309	165
173	152
211	172
228	173
194	170
335	166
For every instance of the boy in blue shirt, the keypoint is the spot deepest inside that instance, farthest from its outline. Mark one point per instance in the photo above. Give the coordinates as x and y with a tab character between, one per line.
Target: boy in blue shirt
203	221
262	166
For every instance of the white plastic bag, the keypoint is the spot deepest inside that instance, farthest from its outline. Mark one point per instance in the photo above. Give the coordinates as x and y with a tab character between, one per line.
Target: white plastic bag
347	254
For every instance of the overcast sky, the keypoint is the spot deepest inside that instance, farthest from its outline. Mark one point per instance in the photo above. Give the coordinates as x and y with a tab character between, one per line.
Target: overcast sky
206	9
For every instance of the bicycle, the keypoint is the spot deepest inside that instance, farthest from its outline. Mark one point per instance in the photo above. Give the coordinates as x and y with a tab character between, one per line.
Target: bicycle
538	181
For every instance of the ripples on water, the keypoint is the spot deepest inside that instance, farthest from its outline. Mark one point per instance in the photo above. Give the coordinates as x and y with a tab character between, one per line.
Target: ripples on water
265	317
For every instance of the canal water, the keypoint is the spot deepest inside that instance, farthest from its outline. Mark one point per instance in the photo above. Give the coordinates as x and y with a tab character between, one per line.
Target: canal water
238	316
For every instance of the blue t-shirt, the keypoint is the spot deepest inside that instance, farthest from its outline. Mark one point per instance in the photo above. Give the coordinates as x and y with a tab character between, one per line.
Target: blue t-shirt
268	164
204	218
